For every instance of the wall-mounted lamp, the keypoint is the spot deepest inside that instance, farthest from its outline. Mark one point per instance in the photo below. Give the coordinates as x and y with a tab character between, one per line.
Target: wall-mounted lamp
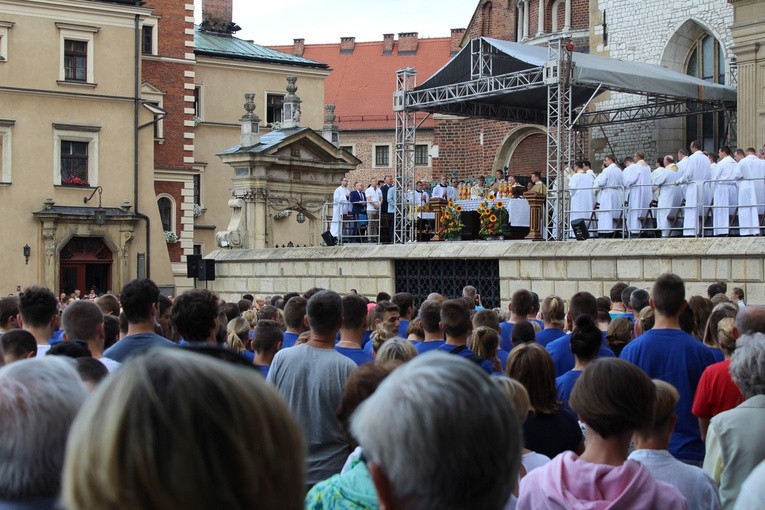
27	252
300	217
99	215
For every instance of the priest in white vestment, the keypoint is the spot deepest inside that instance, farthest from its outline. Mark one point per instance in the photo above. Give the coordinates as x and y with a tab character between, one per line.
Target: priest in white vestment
670	196
638	192
726	175
580	188
751	193
610	182
695	172
340	206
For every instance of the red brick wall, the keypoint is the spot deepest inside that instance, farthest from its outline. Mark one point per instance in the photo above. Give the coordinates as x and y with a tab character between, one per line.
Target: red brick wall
502	25
529	156
580	14
460	147
169	77
174	190
217	10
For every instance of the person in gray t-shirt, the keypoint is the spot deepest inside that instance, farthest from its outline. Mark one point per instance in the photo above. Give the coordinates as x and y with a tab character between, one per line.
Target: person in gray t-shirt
310	377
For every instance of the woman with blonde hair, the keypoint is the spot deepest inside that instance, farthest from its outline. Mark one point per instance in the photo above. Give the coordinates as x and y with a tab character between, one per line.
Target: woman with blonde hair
238	338
716	391
173	429
484	342
396	349
651	450
553	313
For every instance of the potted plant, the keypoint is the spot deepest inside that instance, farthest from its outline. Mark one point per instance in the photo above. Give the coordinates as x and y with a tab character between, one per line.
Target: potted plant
170	237
451	226
493	215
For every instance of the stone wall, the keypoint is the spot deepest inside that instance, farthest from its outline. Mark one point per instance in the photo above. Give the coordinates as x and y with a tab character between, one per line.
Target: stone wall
560	268
654	32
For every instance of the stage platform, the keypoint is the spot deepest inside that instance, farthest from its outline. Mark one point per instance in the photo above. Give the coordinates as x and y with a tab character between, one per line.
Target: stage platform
501	267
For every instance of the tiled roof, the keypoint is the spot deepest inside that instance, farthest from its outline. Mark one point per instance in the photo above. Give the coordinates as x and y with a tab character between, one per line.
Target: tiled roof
362	83
222	45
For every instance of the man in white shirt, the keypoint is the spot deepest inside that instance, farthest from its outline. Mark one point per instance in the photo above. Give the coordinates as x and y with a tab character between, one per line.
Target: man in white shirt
374	199
670	196
750	192
580	187
443	190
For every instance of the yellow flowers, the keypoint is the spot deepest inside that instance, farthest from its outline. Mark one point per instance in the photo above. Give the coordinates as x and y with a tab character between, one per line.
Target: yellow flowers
458	208
490	196
492	218
499	204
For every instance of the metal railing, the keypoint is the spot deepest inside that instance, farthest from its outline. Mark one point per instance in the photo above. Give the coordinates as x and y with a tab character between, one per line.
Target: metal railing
355	228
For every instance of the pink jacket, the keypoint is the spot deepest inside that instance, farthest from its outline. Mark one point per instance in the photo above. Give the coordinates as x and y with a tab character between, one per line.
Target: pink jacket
566	482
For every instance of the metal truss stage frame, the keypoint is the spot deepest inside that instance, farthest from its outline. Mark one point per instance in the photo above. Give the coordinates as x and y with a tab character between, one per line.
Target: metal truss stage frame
511	96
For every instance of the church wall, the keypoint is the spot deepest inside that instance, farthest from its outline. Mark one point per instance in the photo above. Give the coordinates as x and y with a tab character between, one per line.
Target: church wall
643	31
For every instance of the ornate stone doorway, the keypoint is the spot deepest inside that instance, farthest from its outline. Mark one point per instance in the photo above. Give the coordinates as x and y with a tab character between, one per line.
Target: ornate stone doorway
86	262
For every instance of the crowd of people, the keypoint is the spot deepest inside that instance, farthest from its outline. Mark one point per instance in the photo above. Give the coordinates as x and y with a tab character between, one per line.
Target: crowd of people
640	399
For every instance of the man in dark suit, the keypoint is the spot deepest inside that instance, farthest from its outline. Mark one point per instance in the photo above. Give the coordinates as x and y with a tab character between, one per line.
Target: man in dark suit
359	202
386	219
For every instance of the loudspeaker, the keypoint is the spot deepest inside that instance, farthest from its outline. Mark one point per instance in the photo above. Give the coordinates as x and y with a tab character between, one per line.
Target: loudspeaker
192	266
579	227
329	239
207	269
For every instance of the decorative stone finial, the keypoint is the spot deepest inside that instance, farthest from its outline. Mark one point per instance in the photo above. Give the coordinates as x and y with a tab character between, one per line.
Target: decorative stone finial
330	132
291	106
250	123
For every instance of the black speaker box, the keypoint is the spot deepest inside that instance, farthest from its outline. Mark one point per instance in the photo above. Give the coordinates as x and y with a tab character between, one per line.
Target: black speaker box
207	270
329	239
192	266
579	227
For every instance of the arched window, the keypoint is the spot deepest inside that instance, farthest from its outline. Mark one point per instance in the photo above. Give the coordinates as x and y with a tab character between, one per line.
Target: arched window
486	19
707	62
165	206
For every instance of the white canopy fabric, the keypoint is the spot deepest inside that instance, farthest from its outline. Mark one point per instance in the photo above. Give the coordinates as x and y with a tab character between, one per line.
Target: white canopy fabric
589	72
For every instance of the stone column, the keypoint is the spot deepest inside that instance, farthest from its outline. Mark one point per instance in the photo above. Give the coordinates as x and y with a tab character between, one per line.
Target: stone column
541	19
747	29
49	263
567	22
526	19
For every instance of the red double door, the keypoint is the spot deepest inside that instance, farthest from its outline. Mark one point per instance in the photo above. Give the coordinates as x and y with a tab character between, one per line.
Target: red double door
86	263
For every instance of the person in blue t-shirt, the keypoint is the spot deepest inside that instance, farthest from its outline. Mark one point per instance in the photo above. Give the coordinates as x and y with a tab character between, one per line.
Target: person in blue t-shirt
585	344
521	304
490	319
455	318
668	353
294	319
352	330
560	349
553	313
430	316
266	342
405	303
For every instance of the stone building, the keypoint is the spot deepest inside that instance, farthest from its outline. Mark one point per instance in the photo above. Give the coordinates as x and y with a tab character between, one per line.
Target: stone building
74	127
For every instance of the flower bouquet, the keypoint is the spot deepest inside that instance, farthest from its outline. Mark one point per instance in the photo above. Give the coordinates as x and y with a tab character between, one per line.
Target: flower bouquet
493	217
75	181
170	237
451	226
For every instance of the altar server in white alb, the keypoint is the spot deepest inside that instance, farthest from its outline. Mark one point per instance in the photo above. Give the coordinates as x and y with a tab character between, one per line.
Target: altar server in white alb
726	175
580	187
638	192
697	170
609	181
670	196
751	192
340	206
443	190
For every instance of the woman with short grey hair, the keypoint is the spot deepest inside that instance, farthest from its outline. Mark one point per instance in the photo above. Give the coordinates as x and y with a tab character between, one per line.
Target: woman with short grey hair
736	438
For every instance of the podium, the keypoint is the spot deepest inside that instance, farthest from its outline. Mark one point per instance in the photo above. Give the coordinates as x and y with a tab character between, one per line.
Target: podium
536	202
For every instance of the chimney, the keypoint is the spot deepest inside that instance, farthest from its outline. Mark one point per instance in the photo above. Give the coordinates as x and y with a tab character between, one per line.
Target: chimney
216	16
347	44
250	123
387	44
407	43
298	47
457	35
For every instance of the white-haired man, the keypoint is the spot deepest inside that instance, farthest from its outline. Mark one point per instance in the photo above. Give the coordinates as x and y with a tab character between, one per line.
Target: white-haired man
457	448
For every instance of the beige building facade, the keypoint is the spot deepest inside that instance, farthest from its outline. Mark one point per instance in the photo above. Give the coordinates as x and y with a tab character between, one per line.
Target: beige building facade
68	132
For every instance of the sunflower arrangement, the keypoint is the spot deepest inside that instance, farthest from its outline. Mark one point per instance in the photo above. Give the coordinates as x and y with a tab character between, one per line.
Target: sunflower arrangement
451	226
493	216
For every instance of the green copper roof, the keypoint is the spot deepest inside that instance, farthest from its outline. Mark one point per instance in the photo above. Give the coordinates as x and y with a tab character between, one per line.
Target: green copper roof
223	45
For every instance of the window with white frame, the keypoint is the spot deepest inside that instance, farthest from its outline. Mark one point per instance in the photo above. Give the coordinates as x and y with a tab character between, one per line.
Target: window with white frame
75	155
77	46
166	206
4	29
149	37
421	155
382	155
6	127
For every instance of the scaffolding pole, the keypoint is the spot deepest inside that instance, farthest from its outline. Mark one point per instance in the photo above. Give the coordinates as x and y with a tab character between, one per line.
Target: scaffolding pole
404	215
558	72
